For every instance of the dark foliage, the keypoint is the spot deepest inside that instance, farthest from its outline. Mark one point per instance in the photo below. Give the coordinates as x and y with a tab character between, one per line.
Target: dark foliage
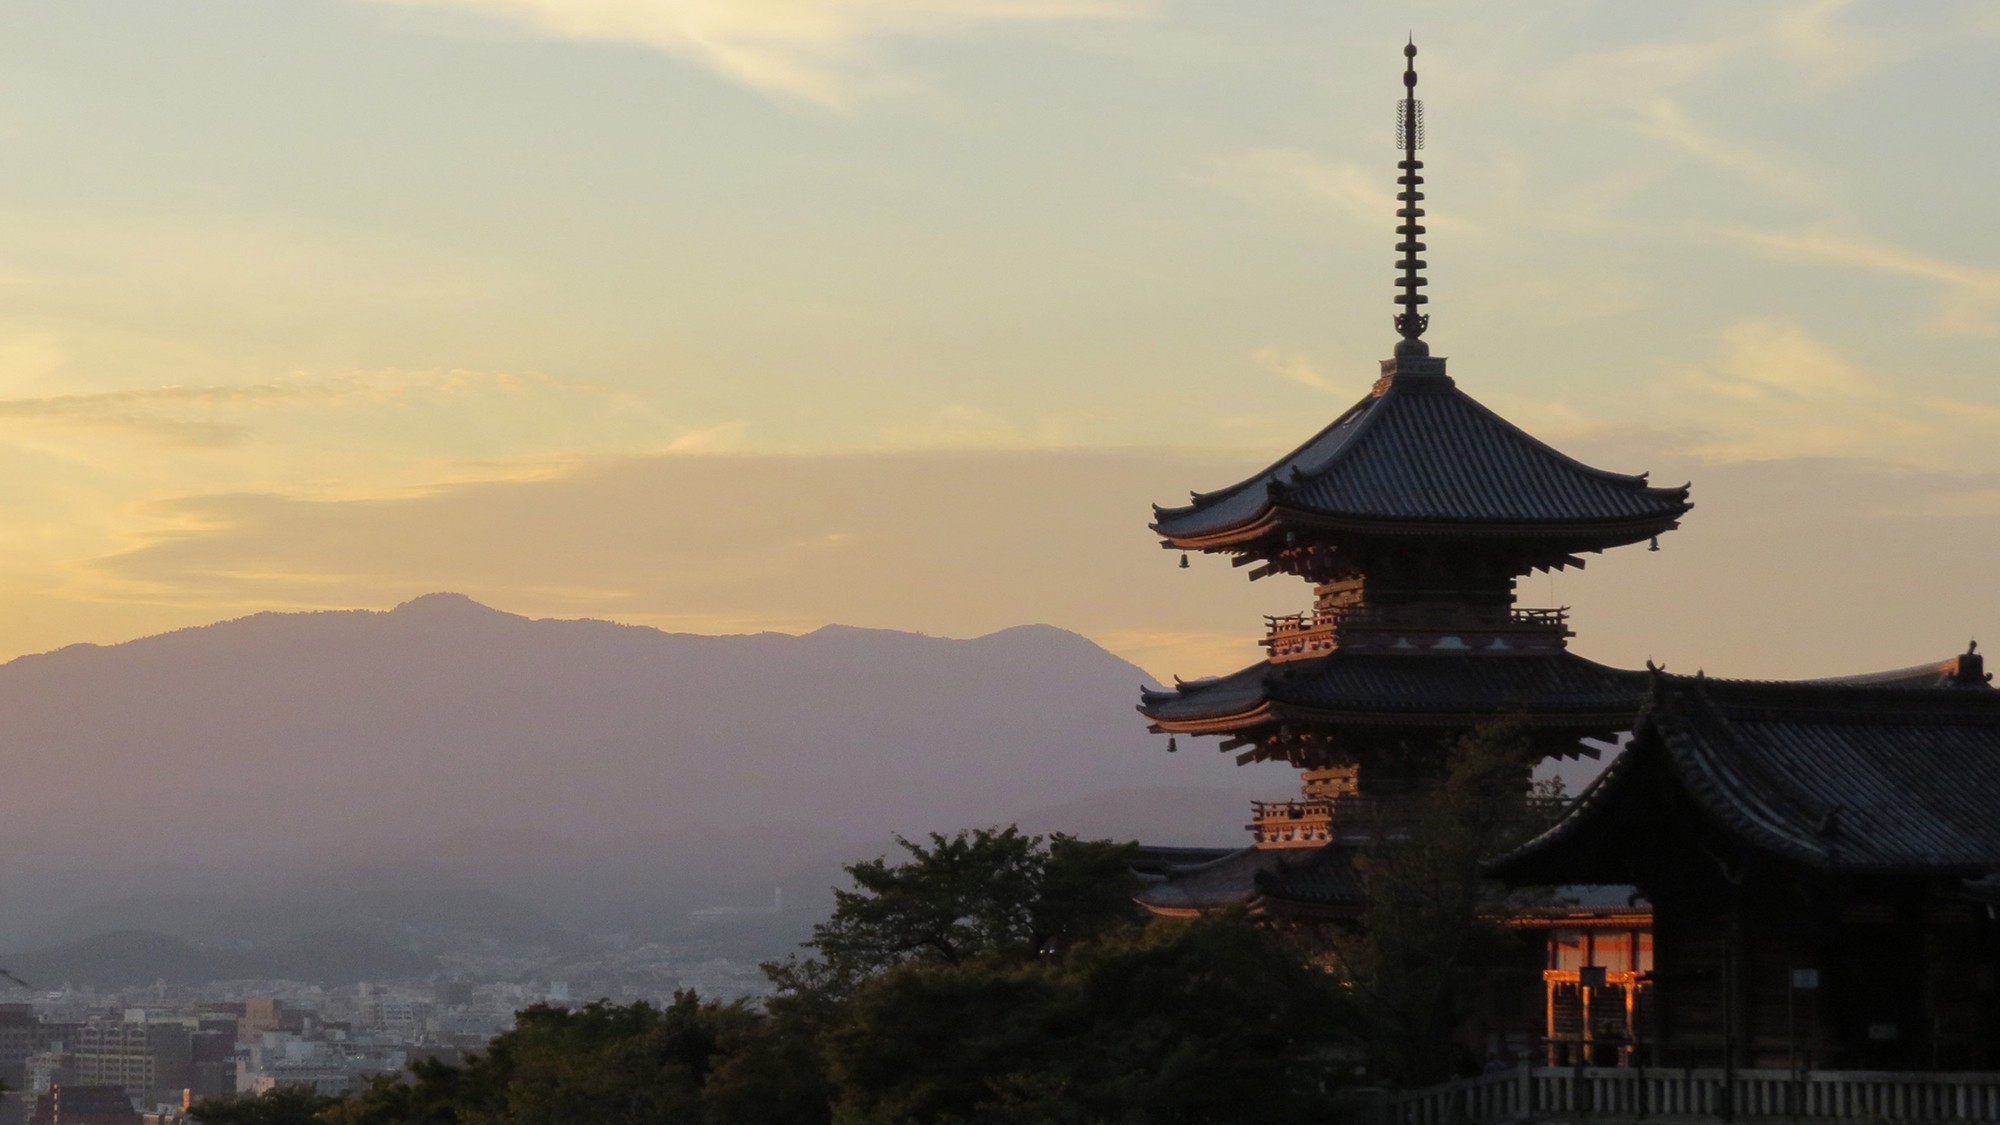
978	893
1428	925
1210	1020
283	1105
987	977
604	1063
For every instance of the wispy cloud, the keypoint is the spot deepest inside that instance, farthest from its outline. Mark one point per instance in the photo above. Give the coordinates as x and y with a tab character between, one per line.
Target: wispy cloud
1363	194
1971	296
960	426
1294	367
1825	52
1664	119
1776	392
820	51
1806	48
157	412
723	438
215	416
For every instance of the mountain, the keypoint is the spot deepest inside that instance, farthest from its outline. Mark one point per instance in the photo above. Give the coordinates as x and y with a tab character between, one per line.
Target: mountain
126	958
408	905
282	771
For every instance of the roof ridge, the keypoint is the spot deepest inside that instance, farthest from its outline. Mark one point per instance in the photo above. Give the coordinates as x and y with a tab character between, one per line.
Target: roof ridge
1759	807
1643	479
1204	499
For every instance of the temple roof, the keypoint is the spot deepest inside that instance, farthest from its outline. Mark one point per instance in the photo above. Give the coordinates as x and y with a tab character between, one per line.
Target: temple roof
1322	878
1396	689
1847	777
1421	456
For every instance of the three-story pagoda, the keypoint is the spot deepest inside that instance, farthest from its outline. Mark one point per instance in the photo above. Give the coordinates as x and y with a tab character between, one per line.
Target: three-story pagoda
1413	516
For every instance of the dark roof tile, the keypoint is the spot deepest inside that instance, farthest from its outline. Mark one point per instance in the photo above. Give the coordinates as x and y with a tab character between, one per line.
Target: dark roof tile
1847	777
1444	686
1426	452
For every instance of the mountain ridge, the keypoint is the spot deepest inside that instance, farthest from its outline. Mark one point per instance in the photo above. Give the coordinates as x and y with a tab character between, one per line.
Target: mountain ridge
677	769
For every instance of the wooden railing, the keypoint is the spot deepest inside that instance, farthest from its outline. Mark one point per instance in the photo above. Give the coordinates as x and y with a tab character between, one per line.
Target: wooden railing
1636	1093
1413	615
1296	635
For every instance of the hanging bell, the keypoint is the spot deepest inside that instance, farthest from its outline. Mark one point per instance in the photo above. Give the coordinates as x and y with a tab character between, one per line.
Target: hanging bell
1172	746
1184	562
1656	544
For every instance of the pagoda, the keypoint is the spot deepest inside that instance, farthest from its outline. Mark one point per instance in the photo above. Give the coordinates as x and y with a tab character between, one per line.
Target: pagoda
1413	517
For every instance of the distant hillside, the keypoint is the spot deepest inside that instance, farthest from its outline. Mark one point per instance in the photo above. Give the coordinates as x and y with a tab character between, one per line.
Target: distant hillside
595	775
412	906
128	958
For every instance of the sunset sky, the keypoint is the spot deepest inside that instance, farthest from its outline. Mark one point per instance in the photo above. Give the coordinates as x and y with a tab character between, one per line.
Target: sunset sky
729	315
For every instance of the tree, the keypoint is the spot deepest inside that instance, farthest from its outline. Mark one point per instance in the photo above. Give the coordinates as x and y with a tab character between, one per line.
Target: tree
980	892
988	895
1209	1020
280	1105
1428	918
989	977
604	1063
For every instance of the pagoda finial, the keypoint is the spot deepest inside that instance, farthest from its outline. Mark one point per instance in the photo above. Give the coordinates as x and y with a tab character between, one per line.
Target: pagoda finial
1410	135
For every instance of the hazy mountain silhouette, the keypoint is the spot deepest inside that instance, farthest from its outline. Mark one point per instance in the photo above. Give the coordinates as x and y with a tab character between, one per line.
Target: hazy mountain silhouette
410	905
286	770
125	958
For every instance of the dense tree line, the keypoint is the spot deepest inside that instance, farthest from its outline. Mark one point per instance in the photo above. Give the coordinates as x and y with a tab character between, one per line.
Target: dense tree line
999	977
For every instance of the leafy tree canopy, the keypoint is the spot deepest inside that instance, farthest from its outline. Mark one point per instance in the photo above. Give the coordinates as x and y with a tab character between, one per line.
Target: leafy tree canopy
1427	926
979	892
280	1105
604	1063
1209	1020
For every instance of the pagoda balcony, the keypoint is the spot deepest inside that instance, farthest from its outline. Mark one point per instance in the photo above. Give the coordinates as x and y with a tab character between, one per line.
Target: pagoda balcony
1308	822
1414	628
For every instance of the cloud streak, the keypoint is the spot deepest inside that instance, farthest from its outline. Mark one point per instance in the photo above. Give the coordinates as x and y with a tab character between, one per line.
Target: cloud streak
1777	393
188	415
1972	293
825	52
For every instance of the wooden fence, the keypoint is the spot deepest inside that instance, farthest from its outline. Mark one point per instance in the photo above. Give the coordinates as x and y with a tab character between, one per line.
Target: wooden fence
1605	1094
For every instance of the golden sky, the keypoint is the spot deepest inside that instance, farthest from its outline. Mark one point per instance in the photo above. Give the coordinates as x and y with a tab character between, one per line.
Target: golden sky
729	315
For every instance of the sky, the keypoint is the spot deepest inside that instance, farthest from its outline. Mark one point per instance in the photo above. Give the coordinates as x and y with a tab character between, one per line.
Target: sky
733	315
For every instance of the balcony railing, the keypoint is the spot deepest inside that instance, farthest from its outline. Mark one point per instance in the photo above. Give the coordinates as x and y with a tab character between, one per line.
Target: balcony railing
1301	821
1532	1093
1295	635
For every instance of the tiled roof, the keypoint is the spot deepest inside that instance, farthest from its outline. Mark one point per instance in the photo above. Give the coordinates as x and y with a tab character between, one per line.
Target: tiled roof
1323	877
1320	877
1442	688
1844	777
1228	881
1424	452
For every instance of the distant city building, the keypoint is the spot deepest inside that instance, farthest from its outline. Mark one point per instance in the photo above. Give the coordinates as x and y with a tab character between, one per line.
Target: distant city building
279	1058
78	1104
143	1058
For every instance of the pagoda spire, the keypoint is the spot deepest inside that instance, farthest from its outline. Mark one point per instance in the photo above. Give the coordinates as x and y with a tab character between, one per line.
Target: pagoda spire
1410	135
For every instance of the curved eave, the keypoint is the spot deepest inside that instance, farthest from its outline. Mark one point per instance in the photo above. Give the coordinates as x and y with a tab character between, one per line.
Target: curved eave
1275	906
1338	433
1538	860
1729	788
1711	767
1276	519
1261	715
1267	713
